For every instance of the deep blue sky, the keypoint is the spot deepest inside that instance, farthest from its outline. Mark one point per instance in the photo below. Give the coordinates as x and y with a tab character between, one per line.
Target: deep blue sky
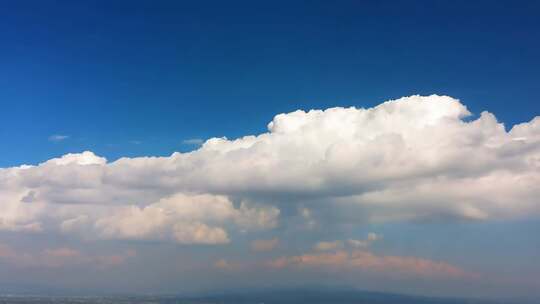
160	72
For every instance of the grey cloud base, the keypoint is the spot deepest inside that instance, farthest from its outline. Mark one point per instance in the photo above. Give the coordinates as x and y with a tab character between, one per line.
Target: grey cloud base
414	158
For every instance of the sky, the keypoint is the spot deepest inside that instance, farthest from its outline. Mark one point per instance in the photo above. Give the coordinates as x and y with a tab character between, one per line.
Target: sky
176	147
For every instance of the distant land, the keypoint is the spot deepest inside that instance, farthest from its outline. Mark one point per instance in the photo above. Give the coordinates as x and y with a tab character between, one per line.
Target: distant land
299	296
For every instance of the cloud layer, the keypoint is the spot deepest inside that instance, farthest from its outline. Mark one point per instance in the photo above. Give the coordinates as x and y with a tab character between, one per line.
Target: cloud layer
415	158
59	257
370	263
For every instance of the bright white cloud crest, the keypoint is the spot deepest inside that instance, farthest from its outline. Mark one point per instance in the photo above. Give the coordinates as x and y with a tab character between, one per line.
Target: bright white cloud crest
415	158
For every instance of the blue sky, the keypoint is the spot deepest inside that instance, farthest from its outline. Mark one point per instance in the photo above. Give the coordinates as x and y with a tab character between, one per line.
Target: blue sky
359	197
108	74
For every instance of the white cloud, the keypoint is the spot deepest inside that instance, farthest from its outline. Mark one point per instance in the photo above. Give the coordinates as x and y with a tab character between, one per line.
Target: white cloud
371	237
58	137
409	159
185	219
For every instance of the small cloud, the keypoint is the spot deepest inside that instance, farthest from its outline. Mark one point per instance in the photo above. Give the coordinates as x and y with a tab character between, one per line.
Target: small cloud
371	237
193	141
222	264
58	137
264	245
325	246
226	265
358	243
135	142
306	214
63	252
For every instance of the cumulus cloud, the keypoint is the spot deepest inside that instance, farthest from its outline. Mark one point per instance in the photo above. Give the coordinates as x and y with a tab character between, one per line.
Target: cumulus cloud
415	158
185	219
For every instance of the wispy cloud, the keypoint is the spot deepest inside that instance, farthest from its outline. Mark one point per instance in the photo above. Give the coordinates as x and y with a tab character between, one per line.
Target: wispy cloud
368	262
193	141
372	237
58	137
323	246
60	257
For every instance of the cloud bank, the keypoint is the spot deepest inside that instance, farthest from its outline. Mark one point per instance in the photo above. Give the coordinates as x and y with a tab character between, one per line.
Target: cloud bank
59	257
370	263
415	158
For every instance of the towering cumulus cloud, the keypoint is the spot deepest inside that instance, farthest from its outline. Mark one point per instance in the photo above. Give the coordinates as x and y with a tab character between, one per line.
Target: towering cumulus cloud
415	158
